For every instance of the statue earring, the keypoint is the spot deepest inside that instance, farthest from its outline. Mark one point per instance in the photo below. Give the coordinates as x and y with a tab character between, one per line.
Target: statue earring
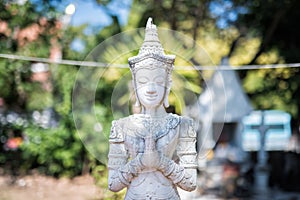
136	108
166	99
137	103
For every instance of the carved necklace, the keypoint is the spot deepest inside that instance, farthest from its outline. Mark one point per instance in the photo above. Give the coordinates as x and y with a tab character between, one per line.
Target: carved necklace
159	127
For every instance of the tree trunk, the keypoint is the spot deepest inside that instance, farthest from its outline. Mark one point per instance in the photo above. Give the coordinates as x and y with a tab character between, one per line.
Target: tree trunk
269	33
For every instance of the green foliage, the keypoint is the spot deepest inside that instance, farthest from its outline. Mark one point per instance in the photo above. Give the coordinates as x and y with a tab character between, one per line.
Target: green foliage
57	151
31	30
28	29
38	98
94	132
12	135
274	89
63	81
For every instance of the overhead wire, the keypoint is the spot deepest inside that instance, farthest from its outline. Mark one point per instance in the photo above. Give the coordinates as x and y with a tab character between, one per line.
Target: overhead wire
100	64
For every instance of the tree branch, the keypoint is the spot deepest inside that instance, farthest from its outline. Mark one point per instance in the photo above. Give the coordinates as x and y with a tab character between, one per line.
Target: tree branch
269	33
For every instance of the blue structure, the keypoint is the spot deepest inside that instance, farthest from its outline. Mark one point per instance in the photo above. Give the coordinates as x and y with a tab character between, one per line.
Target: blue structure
274	124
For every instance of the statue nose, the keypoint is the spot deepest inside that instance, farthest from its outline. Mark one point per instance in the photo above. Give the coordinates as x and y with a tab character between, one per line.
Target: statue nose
151	89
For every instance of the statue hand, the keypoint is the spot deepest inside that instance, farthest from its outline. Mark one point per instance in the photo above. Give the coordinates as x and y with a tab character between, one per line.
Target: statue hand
151	156
151	159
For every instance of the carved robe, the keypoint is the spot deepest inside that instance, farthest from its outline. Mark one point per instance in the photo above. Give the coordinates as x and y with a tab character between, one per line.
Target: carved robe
175	139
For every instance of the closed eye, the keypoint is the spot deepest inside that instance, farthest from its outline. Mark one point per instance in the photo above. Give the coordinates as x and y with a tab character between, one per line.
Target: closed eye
143	80
159	80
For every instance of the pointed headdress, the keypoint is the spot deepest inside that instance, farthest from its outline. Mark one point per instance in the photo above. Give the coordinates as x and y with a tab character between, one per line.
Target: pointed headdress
151	53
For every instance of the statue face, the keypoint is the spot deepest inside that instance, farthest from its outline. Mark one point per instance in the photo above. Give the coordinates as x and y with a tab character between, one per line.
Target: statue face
151	86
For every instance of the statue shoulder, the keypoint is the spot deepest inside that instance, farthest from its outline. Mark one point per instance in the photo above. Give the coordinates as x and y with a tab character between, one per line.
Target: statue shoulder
173	121
116	131
187	120
187	128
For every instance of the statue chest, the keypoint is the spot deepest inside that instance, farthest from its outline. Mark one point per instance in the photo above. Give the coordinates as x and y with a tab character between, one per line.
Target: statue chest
165	132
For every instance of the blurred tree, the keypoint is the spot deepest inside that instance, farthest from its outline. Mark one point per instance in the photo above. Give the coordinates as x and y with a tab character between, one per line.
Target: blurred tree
246	32
26	29
184	16
32	28
274	23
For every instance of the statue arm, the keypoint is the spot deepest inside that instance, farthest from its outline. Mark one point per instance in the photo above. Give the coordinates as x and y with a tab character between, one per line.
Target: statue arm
120	170
184	173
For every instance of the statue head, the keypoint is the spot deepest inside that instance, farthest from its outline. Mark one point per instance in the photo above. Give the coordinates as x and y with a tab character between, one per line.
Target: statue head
151	71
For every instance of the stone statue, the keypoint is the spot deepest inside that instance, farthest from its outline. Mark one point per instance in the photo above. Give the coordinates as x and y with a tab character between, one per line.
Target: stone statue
153	152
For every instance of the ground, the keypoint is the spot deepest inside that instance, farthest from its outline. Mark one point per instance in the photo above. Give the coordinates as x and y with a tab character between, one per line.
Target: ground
37	187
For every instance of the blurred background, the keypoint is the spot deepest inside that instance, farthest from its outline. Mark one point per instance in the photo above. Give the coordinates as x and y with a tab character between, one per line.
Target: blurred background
250	152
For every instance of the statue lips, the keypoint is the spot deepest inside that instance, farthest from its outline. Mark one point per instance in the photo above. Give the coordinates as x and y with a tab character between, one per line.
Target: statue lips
151	97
